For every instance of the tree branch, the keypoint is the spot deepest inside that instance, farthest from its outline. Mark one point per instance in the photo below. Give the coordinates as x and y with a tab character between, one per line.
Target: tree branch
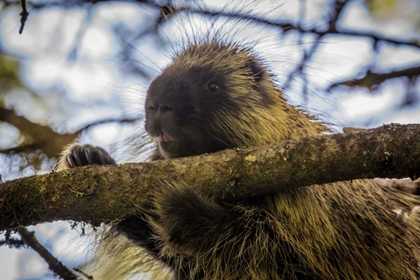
372	79
97	194
55	265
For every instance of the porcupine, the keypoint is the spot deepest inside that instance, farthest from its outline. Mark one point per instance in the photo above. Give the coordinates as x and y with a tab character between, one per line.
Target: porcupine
217	95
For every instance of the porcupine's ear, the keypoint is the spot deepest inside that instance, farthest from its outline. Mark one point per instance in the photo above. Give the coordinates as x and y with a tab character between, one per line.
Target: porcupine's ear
257	70
260	76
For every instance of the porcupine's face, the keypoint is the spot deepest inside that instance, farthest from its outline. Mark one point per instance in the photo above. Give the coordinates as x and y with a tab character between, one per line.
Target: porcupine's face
192	107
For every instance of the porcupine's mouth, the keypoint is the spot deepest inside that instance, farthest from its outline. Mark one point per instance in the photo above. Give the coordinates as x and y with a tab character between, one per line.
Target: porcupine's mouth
165	138
169	147
166	142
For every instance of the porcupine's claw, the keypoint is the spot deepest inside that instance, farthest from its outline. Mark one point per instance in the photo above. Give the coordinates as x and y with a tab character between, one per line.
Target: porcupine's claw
76	155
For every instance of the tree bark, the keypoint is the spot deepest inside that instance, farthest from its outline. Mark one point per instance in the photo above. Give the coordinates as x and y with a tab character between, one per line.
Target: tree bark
96	194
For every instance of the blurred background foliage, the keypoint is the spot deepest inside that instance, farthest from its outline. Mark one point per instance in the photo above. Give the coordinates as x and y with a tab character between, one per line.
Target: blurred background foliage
80	69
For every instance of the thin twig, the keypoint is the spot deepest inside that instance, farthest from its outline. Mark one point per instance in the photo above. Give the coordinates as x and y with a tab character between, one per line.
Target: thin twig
307	55
372	79
24	16
82	273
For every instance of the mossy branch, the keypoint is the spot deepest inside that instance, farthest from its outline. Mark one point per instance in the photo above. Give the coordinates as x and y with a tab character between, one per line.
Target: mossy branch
97	194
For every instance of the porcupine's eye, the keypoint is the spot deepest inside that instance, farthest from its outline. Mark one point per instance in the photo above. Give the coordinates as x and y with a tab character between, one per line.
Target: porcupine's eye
213	87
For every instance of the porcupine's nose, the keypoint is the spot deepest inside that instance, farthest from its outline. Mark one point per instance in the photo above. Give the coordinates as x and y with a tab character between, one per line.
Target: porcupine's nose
161	110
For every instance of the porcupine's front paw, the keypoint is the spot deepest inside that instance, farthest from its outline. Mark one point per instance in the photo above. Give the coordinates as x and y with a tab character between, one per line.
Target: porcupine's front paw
77	155
181	218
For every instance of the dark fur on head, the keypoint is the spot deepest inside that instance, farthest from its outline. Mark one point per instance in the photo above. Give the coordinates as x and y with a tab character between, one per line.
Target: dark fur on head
217	96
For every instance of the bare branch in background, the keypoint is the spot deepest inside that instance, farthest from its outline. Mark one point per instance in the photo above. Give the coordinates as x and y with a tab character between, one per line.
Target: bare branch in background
43	137
55	265
372	79
307	55
23	16
11	242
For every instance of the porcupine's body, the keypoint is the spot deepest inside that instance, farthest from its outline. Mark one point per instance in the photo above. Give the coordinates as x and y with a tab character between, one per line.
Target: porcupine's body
216	96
